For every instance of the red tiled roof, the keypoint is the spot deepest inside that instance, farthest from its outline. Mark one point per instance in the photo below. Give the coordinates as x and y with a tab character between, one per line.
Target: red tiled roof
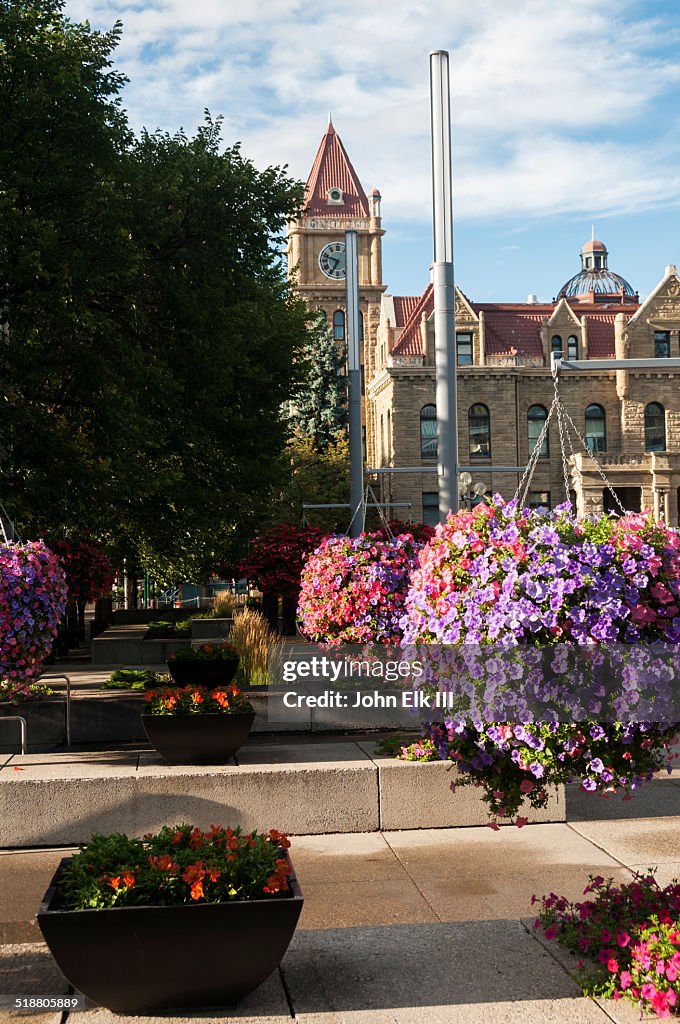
403	308
332	168
513	329
600	330
411	341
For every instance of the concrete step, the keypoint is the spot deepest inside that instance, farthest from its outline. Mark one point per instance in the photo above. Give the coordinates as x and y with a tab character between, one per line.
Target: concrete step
301	788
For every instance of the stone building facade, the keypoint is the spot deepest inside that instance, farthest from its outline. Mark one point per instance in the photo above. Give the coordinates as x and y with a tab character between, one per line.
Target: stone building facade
625	425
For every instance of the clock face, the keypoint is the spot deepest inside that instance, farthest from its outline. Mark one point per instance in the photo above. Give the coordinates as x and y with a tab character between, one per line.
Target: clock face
333	261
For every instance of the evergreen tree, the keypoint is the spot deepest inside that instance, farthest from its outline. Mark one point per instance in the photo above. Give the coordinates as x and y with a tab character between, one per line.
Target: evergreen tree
319	405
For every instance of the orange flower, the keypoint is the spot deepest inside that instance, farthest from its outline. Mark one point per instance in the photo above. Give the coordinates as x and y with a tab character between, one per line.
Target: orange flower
114	882
213	873
280	838
164	863
197	891
129	880
196	697
195	838
177	838
194	872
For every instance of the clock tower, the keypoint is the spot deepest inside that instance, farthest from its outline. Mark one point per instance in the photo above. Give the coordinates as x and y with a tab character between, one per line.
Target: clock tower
335	202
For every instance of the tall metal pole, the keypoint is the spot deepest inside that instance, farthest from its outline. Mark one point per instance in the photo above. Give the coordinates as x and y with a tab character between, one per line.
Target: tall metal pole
444	295
356	458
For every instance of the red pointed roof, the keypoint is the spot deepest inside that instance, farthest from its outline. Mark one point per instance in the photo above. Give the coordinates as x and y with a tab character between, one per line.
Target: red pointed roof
403	308
411	340
332	168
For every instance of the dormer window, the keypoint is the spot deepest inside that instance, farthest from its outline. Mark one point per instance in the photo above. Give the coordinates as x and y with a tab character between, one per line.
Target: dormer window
335	197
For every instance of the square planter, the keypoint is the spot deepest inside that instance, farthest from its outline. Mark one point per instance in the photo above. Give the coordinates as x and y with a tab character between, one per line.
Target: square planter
142	960
210	629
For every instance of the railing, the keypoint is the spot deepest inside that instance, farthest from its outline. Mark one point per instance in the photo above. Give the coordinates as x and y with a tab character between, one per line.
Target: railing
22	727
51	678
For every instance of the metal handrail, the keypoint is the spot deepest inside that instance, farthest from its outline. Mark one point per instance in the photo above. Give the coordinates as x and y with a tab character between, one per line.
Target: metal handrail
68	701
22	727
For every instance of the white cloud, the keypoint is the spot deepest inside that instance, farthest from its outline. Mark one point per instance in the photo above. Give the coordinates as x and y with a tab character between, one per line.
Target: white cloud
556	107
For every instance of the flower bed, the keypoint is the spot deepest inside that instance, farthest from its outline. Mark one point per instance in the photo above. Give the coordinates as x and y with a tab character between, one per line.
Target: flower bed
32	599
177	865
627	938
197	700
353	589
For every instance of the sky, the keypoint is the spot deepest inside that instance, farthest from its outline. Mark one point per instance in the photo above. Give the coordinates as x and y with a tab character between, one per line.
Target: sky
565	116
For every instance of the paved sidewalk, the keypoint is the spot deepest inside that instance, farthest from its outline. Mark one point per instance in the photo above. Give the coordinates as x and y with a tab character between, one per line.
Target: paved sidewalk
406	927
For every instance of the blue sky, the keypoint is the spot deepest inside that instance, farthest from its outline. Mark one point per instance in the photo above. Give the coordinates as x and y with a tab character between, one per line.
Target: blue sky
564	115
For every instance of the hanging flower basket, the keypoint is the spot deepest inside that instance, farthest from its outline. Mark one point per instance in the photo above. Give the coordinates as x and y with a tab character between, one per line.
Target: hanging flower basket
499	575
353	589
32	600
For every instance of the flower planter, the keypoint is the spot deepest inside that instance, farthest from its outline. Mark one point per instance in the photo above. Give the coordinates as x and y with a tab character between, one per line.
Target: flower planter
129	959
198	739
202	671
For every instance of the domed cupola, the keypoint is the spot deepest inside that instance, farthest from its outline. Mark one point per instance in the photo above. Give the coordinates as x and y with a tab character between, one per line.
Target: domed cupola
595	282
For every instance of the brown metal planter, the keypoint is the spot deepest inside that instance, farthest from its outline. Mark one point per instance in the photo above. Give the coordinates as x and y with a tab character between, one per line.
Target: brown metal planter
198	739
141	960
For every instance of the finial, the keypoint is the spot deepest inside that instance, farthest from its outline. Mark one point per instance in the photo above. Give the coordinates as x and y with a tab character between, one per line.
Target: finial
330	120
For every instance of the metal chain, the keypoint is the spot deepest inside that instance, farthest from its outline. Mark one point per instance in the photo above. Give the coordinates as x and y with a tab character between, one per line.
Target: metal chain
590	454
527	476
561	411
371	492
361	506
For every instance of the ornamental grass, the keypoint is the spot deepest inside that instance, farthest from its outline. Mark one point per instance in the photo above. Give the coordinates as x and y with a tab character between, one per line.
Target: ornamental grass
257	644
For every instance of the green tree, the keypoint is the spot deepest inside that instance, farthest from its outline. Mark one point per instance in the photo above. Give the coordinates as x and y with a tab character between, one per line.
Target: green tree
319	406
315	477
151	338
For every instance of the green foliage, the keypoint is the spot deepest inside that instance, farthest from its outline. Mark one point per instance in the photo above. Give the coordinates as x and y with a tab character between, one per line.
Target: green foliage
130	679
153	336
319	404
163	628
178	865
12	693
320	477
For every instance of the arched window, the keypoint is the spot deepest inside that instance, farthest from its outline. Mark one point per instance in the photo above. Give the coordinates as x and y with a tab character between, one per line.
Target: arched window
556	346
339	325
655	428
479	429
536	417
572	347
361	326
596	429
428	432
